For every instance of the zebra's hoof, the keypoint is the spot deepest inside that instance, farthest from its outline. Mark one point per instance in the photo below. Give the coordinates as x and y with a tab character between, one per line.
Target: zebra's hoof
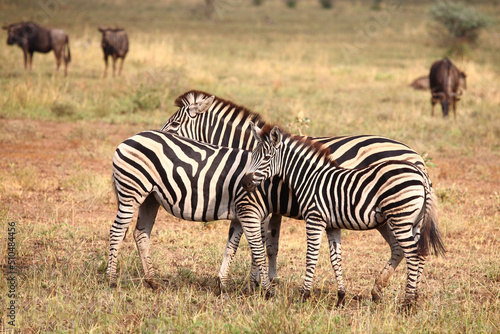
112	285
304	296
376	297
270	293
152	284
341	299
408	306
221	287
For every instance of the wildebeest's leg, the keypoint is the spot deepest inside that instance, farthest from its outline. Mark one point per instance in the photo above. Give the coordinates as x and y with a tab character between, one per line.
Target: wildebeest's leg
25	53
105	65
454	107
233	240
336	261
272	245
389	268
58	54
121	66
114	63
433	102
31	59
66	55
142	234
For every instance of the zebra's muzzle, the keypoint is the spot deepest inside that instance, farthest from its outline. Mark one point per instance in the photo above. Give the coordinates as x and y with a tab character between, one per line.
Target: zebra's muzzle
248	182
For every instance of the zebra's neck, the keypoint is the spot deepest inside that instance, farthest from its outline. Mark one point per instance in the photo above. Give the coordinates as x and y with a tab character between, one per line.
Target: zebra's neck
226	124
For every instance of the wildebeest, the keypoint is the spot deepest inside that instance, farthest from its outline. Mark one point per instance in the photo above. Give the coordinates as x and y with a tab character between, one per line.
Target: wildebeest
115	44
445	80
421	83
31	37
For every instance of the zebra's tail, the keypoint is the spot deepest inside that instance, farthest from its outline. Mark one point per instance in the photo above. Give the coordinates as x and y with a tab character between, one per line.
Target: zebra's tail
429	233
115	191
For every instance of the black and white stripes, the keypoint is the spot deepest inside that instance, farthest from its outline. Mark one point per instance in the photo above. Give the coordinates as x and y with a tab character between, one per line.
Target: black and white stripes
393	193
207	118
191	180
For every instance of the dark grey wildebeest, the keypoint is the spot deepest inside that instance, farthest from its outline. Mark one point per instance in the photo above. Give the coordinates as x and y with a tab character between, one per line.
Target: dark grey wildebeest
423	82
445	81
31	37
115	44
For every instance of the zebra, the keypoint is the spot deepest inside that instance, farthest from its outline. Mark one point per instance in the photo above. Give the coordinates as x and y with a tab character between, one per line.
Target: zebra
205	117
393	193
192	180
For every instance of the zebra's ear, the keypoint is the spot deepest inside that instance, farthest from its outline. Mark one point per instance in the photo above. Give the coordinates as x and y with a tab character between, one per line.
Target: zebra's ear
206	104
201	106
276	136
256	131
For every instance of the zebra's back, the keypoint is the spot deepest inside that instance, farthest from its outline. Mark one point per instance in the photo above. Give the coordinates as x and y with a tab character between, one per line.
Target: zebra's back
364	150
192	180
362	199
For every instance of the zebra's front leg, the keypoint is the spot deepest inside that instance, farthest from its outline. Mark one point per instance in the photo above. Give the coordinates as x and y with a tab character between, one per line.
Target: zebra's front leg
336	261
252	228
272	246
314	231
254	268
396	256
233	240
142	235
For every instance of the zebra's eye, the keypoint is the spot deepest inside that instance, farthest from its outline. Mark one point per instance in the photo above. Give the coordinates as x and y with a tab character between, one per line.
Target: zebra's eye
174	126
267	157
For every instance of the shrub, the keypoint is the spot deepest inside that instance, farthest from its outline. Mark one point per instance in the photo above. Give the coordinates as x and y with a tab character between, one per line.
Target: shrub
291	3
327	4
463	23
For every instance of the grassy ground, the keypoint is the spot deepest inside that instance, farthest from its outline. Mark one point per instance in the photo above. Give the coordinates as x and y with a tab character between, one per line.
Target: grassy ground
346	69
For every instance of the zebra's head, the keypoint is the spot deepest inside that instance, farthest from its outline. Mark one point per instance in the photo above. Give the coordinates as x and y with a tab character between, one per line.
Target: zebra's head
190	106
266	160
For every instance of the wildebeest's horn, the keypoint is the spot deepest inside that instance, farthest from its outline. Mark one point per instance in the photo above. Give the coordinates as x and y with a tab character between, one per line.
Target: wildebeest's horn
437	93
460	92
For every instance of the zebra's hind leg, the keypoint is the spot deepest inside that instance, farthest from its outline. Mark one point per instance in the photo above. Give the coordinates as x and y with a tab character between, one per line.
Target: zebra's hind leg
336	261
421	266
142	235
389	268
233	240
116	235
404	236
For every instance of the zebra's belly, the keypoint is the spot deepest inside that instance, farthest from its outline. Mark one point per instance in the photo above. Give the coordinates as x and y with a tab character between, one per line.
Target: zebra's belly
372	219
200	210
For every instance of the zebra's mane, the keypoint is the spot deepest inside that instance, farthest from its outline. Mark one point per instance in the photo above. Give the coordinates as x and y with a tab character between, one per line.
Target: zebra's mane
319	150
194	96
